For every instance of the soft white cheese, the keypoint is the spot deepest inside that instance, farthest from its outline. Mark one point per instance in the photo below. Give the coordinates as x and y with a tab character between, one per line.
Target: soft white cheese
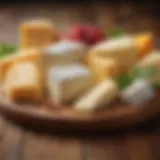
138	92
65	83
99	96
64	52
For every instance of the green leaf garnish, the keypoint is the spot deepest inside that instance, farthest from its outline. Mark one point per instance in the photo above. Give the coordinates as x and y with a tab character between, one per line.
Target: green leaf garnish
123	80
143	72
116	32
6	49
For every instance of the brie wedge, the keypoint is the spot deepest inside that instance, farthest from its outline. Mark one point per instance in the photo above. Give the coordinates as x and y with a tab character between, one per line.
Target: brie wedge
65	83
99	96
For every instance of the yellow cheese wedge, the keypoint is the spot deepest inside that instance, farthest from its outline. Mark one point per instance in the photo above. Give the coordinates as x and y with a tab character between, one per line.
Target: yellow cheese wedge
33	55
23	82
104	68
37	33
145	43
123	49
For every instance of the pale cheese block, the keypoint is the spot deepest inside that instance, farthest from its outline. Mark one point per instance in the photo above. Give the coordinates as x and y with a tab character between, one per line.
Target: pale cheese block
64	52
98	97
152	60
65	83
37	33
122	49
23	82
104	68
139	92
22	55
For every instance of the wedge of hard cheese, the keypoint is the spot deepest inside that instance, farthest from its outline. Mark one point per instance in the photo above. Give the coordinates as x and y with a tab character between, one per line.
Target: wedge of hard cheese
65	83
22	55
99	96
23	82
123	49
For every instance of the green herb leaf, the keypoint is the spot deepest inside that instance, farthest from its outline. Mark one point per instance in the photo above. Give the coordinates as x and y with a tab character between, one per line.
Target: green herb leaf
115	32
123	80
143	72
6	49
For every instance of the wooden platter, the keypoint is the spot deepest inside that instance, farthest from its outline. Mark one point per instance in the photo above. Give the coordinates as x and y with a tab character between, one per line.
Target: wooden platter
47	115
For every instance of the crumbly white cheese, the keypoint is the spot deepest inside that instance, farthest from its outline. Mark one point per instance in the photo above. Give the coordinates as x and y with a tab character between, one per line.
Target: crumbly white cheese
138	92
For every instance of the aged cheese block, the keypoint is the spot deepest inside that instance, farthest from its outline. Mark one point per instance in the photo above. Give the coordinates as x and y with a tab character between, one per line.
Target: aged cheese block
64	52
23	82
122	49
104	68
31	54
65	83
99	96
37	33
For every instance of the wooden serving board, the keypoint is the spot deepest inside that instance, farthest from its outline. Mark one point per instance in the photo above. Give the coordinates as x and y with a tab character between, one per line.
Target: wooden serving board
62	117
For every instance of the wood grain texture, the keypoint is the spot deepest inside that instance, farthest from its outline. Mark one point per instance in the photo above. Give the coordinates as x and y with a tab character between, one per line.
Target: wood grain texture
43	147
11	143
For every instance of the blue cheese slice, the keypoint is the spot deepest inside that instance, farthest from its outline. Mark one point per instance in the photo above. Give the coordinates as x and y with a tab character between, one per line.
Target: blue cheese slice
65	83
99	96
64	52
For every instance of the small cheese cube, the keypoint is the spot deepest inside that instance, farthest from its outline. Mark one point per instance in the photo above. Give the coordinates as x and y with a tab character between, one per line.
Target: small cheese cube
37	33
65	83
23	82
104	68
32	54
145	43
64	52
99	96
138	92
124	50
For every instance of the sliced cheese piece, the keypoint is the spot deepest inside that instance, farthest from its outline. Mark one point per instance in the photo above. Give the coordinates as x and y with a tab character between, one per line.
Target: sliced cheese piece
123	49
65	83
151	60
99	96
64	52
104	68
145	43
23	82
139	92
37	33
32	54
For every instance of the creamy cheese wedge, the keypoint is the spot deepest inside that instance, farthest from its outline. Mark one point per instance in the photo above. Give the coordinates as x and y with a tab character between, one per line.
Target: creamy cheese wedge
122	49
65	83
99	96
64	52
23	82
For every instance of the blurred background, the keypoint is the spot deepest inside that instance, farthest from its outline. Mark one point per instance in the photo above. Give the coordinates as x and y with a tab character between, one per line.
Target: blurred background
131	16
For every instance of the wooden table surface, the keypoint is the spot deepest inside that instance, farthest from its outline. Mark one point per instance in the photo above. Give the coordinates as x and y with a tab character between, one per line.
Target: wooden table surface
140	142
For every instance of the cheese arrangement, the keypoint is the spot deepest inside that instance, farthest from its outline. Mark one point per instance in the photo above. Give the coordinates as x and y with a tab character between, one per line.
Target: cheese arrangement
83	69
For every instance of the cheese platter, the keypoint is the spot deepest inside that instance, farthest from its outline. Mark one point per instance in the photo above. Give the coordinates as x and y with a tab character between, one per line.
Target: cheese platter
81	80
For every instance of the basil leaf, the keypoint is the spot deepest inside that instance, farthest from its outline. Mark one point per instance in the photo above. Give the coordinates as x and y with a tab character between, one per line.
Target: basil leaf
123	80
